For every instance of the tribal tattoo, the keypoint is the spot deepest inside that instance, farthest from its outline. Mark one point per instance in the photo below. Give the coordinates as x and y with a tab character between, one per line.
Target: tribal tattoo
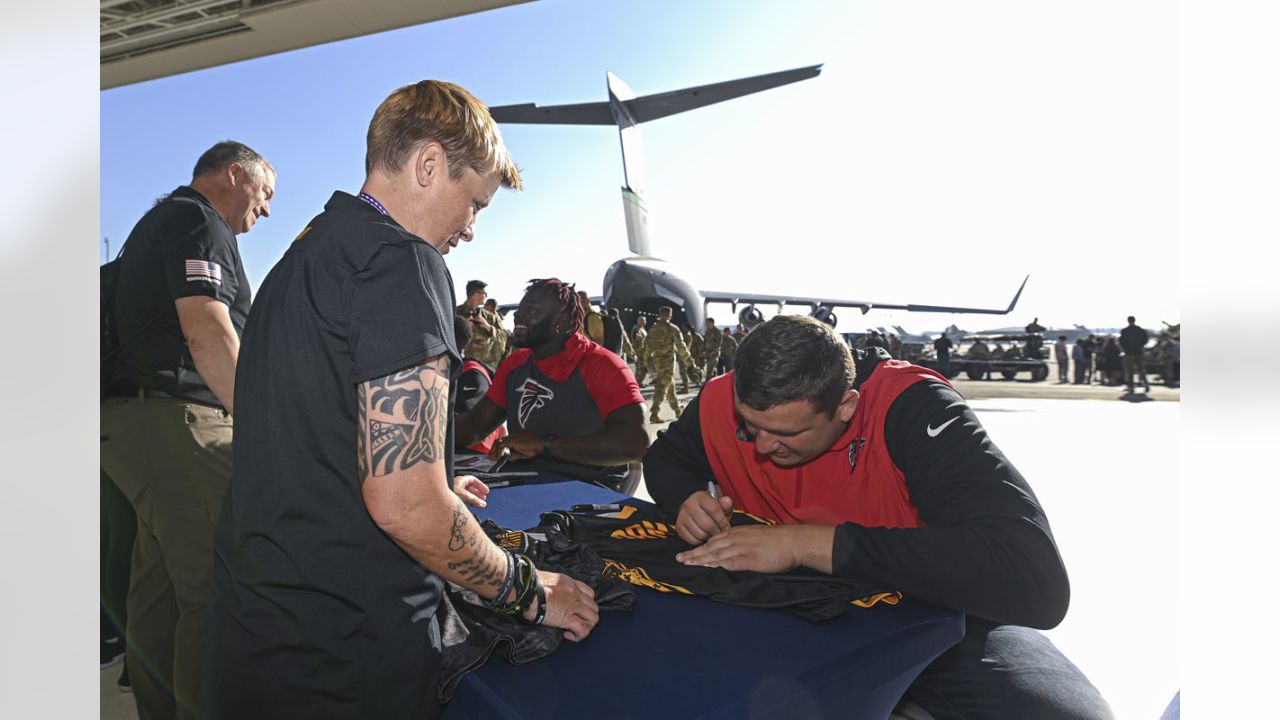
403	420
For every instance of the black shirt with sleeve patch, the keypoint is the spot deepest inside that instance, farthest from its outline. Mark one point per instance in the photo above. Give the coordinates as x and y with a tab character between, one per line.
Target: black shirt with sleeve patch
313	602
180	248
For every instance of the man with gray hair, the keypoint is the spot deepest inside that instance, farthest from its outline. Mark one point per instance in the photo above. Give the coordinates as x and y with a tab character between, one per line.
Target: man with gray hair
180	307
877	470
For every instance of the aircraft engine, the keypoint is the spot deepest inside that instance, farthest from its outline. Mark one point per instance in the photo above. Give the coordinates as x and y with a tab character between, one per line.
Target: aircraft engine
750	317
824	314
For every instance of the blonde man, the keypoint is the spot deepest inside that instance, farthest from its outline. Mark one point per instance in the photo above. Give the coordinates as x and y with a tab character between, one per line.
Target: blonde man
341	528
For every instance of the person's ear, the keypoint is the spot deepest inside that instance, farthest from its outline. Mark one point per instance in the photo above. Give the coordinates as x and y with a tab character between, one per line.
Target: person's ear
430	164
847	405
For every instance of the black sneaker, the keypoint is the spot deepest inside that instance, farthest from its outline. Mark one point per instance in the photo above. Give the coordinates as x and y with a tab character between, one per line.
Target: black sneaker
123	681
112	652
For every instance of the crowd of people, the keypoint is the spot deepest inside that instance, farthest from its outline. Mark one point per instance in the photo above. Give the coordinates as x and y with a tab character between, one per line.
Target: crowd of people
1123	359
307	578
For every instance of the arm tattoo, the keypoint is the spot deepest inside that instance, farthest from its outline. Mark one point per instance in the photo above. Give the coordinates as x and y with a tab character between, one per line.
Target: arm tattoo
403	421
458	538
476	569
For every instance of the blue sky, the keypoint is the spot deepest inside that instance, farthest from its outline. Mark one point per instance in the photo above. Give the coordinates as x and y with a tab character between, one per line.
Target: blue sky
946	150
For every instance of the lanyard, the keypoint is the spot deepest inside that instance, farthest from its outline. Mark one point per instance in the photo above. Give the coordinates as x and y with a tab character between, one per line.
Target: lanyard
374	202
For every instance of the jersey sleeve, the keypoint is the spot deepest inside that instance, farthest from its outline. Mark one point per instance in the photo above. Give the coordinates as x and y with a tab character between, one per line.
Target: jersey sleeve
201	261
676	465
399	314
609	381
986	549
498	390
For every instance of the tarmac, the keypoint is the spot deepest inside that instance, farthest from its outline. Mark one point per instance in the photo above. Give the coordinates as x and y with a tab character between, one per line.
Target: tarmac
1000	388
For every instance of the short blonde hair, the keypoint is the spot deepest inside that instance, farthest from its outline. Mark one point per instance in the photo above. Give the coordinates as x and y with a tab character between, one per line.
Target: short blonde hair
434	110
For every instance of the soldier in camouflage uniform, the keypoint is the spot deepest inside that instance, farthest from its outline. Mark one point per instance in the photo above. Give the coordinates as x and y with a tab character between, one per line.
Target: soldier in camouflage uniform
488	338
728	348
492	306
712	348
694	341
638	336
662	349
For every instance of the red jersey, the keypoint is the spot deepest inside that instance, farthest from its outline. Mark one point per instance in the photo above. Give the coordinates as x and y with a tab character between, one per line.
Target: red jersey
854	480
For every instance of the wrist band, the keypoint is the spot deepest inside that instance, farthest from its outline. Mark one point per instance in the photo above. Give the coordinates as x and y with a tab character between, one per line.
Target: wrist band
542	604
507	582
523	584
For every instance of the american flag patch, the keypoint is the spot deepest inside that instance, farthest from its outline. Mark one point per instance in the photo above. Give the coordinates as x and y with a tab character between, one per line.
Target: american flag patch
204	271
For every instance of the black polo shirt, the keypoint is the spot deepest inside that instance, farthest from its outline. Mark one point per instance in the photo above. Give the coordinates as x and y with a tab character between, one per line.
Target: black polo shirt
180	248
316	611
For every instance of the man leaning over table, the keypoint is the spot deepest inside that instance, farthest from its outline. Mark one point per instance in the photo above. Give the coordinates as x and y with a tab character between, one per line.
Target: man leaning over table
878	470
340	528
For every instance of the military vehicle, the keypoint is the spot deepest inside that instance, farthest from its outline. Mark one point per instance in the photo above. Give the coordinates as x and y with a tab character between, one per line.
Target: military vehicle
1005	355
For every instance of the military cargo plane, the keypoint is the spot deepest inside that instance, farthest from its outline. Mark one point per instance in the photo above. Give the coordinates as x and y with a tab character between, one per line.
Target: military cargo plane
641	283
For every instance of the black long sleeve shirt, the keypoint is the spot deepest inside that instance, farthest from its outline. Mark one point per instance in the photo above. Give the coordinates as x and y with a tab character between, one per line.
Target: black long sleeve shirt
986	548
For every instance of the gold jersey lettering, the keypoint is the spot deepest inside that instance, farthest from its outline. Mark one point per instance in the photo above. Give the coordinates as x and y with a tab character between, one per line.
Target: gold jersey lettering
888	598
639	576
645	530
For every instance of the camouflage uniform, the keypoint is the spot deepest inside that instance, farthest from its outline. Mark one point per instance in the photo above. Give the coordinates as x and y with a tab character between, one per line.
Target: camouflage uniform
638	336
663	347
628	350
694	341
487	348
713	347
728	349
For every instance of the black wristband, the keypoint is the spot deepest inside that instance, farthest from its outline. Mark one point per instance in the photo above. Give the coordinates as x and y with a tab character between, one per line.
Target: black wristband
526	578
546	443
507	582
542	601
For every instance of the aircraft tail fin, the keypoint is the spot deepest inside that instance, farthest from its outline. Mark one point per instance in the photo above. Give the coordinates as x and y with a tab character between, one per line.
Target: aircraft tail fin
626	111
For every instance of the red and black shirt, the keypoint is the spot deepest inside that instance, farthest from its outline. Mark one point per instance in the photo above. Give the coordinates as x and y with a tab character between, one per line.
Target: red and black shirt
983	544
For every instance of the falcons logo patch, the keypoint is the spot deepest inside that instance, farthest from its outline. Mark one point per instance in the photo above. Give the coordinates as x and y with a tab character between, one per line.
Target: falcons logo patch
857	444
533	395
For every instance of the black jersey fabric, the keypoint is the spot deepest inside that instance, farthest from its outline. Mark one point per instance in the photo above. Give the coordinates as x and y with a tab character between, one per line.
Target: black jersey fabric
472	634
986	549
641	548
180	248
316	612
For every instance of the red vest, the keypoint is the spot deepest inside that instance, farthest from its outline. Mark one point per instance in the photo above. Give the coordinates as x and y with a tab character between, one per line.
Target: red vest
855	480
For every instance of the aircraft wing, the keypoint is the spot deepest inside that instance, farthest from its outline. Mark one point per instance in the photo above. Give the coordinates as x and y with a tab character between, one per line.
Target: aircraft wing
863	305
649	107
596	113
652	107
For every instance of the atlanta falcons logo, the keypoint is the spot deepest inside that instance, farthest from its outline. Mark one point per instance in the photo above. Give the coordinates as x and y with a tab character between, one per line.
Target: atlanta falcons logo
857	444
533	395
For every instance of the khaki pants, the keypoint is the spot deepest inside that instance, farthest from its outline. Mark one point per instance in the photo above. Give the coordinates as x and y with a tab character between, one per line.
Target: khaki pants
172	459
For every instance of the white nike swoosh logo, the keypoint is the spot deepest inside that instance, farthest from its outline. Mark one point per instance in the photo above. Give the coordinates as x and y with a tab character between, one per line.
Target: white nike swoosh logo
933	431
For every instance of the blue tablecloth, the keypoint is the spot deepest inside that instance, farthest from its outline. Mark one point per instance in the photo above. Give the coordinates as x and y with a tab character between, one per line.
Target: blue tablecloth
687	657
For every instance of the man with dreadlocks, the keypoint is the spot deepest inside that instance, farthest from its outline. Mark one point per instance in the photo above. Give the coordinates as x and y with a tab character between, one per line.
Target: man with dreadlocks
568	402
